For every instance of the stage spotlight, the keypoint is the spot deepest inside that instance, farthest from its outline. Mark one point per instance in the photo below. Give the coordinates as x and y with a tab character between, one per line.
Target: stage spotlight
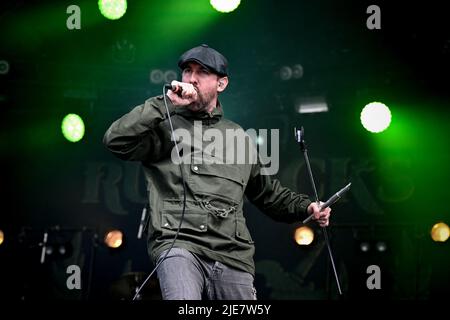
440	232
170	75
62	250
312	105
2	237
297	71
381	246
4	67
49	250
375	117
156	76
225	6
364	246
114	239
285	73
72	127
112	9
304	236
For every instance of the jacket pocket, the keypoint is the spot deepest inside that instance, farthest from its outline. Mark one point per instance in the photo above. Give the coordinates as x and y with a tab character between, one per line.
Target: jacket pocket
195	220
221	180
242	232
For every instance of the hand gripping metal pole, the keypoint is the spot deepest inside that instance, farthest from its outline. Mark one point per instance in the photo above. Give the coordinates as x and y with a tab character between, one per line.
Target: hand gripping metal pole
299	137
335	197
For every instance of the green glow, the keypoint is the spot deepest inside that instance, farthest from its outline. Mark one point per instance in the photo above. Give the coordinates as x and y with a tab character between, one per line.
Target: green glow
31	26
413	162
112	9
176	26
376	117
225	6
72	127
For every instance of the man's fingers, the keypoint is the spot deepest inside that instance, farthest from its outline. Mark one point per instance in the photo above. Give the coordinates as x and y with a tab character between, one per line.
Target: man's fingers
324	224
190	94
185	99
323	216
184	93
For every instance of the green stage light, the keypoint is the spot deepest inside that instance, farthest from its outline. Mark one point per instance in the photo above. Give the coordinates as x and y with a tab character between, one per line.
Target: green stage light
375	117
112	9
225	6
72	127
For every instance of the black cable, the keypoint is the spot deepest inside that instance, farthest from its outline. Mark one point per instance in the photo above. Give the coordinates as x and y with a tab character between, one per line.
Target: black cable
184	197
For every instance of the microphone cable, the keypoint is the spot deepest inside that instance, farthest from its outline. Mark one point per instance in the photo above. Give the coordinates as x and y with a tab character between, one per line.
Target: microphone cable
184	196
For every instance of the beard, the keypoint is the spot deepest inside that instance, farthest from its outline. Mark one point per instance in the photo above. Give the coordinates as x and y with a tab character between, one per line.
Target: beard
203	102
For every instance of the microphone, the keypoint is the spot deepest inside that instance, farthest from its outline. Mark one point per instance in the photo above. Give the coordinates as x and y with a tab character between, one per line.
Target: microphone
335	197
44	247
174	86
300	137
141	225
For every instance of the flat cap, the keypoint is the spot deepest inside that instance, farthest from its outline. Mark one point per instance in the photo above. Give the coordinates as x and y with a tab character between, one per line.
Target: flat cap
207	57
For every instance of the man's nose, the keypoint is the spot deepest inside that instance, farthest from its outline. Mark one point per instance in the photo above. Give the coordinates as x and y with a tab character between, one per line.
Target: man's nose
192	78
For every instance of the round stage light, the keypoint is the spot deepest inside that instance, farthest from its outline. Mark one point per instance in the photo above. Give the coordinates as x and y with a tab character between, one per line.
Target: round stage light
225	6
440	232
304	236
364	246
376	117
114	239
112	9
72	127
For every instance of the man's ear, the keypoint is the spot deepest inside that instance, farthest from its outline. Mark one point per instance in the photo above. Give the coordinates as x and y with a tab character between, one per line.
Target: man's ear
222	84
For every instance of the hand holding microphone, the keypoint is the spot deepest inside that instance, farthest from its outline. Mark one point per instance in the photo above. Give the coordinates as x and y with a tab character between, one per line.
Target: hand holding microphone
317	209
318	213
181	93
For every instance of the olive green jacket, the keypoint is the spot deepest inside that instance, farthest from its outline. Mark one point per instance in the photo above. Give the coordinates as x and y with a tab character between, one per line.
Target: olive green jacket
213	225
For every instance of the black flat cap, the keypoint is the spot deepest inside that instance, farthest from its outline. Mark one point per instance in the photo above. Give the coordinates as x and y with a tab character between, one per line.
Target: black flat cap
207	57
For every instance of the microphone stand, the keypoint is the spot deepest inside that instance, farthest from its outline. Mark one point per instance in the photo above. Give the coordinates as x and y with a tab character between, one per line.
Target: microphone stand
299	137
142	223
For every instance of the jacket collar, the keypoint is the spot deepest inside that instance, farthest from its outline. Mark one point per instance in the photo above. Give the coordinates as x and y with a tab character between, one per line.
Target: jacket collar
216	114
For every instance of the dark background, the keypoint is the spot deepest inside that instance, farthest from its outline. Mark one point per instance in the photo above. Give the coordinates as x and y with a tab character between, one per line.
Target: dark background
77	191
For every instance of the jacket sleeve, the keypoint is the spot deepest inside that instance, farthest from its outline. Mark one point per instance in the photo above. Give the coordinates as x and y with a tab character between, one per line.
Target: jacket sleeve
136	135
278	202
